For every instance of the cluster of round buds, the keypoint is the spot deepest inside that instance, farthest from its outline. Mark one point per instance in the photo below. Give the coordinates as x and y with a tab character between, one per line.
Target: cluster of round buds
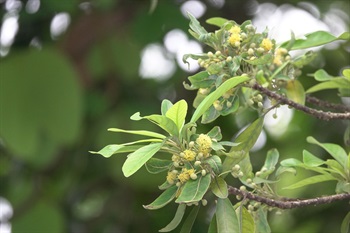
236	171
188	164
258	99
216	58
281	55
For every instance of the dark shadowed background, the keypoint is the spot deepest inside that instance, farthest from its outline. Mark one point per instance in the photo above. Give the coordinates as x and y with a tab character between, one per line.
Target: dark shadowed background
70	69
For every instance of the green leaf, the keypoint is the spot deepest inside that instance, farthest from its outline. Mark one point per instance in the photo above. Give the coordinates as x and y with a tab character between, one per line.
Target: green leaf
194	57
176	220
138	158
295	91
213	227
226	218
346	73
334	83
215	163
209	100
219	187
311	160
311	180
166	105
110	150
210	115
270	162
249	136
138	132
177	113
215	133
164	198
247	224
345	224
261	223
156	166
202	79
336	151
162	121
321	76
196	27
165	185
291	162
217	21
343	187
282	170
187	226
336	168
246	168
316	39
194	190
264	59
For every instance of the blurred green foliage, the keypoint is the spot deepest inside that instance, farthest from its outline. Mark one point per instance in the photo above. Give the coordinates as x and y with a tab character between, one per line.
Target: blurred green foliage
57	102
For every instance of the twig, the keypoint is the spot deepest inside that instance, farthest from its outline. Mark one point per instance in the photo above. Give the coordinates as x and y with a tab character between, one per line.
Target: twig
289	204
313	112
322	103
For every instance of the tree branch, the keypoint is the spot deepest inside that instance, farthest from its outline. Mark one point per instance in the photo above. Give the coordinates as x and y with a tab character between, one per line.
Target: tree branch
289	204
313	112
325	104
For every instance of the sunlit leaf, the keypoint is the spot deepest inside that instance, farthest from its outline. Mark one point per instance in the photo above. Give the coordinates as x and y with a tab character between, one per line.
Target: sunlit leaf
295	91
176	220
311	180
336	168
138	132
316	39
155	165
194	190
110	150
209	100
334	83
138	158
291	162
219	187
162	121
321	75
216	21
346	73
226	218
281	170
247	224
187	226
336	151
311	160
164	198
177	113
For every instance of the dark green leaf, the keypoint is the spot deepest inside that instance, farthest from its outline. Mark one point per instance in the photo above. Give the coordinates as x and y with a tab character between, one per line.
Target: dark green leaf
196	27
345	224
176	220
187	226
194	190
215	133
219	187
138	158
164	198
213	227
156	166
210	115
226	218
261	223
209	100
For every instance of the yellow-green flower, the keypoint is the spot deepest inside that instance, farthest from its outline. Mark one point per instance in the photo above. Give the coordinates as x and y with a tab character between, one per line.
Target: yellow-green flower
277	60
176	158
185	175
266	44
234	38
235	30
204	144
189	155
171	177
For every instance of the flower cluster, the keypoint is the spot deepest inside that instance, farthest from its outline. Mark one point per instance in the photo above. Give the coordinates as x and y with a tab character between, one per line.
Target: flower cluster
188	163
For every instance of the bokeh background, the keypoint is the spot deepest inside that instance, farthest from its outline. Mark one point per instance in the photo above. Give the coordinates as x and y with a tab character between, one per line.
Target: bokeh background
70	69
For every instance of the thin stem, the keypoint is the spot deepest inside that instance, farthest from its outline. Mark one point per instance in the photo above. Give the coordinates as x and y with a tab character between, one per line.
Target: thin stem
313	112
325	104
289	203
